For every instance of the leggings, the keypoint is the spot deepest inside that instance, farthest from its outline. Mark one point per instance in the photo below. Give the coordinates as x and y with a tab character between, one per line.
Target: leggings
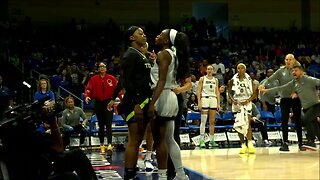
173	148
177	123
104	117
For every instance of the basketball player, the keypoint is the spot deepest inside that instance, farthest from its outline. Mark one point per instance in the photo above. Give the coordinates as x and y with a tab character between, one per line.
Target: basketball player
241	92
135	75
170	66
209	101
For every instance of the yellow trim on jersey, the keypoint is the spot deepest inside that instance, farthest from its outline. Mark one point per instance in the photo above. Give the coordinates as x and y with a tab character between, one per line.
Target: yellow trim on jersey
142	105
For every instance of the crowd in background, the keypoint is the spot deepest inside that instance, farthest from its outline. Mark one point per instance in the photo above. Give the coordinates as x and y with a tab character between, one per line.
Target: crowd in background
71	51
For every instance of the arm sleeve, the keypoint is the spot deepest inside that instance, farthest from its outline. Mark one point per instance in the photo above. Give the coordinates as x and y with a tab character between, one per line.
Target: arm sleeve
315	81
64	119
255	111
289	85
51	94
128	71
87	92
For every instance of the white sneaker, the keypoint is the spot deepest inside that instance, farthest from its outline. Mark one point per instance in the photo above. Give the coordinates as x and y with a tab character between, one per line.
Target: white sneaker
185	177
254	143
266	142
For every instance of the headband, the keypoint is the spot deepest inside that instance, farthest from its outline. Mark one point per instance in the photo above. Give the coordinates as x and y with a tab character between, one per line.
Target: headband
241	64
172	35
129	32
132	29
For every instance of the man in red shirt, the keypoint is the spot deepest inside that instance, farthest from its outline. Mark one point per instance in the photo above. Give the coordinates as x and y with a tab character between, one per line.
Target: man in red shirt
100	89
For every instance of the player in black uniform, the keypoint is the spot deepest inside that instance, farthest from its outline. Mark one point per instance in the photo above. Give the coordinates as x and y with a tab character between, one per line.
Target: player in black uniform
135	76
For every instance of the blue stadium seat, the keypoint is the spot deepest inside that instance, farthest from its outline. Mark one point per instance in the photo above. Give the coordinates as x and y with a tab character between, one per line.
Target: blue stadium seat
194	116
266	115
118	120
277	116
228	116
218	117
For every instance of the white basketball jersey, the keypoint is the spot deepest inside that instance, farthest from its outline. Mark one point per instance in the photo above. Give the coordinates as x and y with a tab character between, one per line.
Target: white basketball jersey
171	74
244	92
209	87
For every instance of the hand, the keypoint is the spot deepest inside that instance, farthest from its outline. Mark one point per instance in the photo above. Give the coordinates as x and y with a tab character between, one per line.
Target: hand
110	105
70	128
261	87
245	102
236	102
218	108
294	95
254	119
176	90
263	90
84	123
87	99
153	56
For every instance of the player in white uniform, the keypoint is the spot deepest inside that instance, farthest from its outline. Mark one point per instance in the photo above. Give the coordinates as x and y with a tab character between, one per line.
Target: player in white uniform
169	67
240	91
209	101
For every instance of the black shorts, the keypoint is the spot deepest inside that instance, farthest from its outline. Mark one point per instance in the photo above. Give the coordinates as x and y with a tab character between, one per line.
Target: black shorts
129	102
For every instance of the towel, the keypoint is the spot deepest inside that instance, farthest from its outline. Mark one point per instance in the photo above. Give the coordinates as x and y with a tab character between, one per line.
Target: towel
236	83
241	121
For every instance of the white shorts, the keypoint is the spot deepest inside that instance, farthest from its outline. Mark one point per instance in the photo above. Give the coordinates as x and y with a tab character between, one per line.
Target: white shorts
209	103
236	108
167	104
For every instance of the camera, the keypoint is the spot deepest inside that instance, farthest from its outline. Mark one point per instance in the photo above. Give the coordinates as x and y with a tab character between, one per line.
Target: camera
23	146
27	117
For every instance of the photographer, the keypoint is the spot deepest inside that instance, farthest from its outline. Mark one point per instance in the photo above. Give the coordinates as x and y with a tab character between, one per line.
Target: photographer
32	152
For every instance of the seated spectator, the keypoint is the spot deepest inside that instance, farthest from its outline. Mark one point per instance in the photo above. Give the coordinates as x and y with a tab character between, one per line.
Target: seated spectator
44	91
192	106
223	98
192	103
260	124
70	122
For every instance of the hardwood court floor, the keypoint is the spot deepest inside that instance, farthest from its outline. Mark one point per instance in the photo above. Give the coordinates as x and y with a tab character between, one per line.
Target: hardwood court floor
266	163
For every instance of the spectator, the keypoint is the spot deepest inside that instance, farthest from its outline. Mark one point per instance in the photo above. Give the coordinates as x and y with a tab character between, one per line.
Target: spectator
100	88
193	103
260	124
70	122
44	91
